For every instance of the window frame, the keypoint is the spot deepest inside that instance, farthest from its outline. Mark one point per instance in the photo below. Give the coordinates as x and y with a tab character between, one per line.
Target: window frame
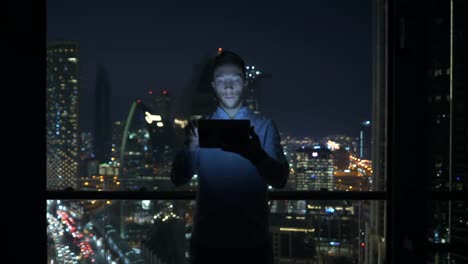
402	243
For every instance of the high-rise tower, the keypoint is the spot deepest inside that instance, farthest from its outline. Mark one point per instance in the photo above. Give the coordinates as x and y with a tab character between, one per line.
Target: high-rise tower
62	115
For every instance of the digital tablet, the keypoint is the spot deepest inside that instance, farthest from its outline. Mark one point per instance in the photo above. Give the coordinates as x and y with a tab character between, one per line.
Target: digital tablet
214	133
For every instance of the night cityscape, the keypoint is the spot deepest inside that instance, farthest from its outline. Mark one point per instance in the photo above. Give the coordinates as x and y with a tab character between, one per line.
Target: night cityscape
124	80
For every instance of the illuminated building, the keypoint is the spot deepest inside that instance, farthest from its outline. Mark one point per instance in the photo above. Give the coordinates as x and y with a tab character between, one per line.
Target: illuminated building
136	154
163	136
254	78
161	103
63	137
290	154
326	228
101	177
160	107
290	145
347	143
292	237
365	140
109	221
350	181
86	149
179	131
314	169
146	151
86	153
117	131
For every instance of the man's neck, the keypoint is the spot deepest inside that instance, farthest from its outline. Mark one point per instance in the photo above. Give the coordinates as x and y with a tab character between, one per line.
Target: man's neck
233	111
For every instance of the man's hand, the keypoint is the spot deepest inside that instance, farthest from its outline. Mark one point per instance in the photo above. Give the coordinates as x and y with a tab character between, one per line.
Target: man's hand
191	134
253	151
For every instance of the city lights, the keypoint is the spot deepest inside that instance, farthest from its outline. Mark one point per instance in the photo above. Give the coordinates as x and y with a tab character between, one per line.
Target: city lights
151	118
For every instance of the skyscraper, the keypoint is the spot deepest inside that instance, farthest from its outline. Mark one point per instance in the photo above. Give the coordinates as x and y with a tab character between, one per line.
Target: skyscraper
345	142
86	146
254	79
459	169
446	125
86	154
325	232
438	119
161	103
136	150
365	140
162	134
117	130
63	136
146	151
314	169
102	119
289	149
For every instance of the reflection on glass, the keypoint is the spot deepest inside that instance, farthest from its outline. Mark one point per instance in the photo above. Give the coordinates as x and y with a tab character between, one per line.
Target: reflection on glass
147	231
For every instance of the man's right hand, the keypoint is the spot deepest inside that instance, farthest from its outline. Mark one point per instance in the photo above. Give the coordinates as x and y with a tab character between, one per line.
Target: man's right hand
191	134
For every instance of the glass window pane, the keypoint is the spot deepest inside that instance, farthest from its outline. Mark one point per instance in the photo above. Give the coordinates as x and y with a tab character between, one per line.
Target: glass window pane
116	108
141	231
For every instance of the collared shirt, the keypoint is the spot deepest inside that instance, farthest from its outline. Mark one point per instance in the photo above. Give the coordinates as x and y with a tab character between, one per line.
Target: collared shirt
232	203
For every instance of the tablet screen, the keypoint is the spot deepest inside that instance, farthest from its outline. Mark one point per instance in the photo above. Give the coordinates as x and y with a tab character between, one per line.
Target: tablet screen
213	133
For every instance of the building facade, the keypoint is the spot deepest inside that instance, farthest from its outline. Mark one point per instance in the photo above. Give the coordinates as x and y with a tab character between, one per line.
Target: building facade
62	98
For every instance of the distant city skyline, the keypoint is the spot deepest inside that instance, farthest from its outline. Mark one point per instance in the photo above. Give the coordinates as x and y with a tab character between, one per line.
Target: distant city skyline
319	54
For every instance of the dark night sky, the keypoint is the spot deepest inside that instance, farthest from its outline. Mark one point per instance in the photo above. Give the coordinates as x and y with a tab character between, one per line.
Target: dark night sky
319	53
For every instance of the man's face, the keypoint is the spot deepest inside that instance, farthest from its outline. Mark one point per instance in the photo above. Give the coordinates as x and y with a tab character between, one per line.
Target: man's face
229	84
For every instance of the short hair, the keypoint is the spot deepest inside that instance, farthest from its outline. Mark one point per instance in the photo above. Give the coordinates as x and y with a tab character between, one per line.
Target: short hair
228	57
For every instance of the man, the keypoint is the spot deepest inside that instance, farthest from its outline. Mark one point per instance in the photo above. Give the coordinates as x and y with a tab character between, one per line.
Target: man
231	218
